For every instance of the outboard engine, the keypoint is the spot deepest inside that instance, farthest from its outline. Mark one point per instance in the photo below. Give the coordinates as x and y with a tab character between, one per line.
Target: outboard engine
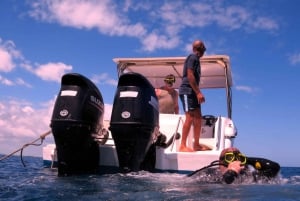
134	120
77	116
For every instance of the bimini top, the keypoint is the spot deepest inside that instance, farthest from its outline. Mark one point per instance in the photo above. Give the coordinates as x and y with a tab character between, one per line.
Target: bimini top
215	70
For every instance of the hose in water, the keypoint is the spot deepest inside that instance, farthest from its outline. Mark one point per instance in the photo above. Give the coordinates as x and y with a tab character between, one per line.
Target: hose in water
214	163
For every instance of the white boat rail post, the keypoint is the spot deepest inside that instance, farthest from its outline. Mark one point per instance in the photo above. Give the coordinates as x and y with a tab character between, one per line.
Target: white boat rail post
218	132
228	93
176	131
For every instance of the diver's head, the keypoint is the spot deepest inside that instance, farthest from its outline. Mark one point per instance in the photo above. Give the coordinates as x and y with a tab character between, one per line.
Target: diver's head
229	155
170	80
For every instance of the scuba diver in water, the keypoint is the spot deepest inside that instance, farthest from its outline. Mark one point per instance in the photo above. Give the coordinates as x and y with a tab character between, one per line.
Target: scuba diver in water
236	167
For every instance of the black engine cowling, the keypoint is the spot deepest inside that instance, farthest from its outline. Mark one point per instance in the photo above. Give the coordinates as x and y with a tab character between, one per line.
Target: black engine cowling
77	115
134	119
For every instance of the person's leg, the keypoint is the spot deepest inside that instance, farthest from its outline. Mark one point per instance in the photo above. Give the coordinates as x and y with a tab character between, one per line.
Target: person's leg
186	102
185	131
197	131
197	127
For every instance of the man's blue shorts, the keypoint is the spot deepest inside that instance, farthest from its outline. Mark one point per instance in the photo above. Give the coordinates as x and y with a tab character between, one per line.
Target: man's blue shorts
189	102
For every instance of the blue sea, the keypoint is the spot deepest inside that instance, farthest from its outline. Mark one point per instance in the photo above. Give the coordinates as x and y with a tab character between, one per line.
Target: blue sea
35	182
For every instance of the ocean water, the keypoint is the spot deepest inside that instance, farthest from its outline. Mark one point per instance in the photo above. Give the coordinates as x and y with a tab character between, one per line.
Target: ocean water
34	182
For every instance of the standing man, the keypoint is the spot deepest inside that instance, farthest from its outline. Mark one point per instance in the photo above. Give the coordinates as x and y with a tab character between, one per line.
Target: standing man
191	97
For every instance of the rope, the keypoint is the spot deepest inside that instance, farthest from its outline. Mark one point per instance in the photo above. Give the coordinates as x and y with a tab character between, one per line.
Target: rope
42	137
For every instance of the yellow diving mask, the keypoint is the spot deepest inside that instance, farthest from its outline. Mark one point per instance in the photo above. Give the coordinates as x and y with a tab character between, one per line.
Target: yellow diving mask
234	156
170	79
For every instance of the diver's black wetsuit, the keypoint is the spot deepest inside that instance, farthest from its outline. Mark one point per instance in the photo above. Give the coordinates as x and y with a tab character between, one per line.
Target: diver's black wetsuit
263	167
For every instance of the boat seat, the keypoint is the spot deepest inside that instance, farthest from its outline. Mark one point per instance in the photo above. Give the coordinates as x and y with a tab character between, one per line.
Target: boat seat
171	123
207	136
208	126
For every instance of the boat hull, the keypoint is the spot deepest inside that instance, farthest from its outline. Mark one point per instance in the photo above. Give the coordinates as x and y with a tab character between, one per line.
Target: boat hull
135	123
217	136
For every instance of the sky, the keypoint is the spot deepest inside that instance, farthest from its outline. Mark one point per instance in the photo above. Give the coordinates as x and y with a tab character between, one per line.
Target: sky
41	40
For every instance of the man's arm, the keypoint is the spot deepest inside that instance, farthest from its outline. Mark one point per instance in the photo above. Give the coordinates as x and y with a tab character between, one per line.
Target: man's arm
192	81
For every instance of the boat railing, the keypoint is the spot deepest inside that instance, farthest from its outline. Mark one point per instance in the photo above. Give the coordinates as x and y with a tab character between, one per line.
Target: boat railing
180	120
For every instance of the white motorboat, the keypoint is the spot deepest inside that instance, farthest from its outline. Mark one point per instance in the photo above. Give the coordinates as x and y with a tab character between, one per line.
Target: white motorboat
217	132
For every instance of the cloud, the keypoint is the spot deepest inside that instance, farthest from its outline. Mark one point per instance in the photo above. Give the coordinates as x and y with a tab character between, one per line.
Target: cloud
264	23
155	41
187	15
294	58
232	17
18	81
104	78
50	71
7	63
161	24
8	55
6	81
19	119
102	15
107	111
21	82
246	89
214	12
22	122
